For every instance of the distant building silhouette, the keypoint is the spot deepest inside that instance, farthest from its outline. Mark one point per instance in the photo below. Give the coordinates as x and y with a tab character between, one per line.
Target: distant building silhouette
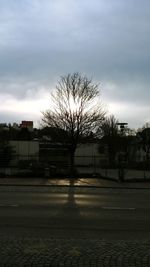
27	124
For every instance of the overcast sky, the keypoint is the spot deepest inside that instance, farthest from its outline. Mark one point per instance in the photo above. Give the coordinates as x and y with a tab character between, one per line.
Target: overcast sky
108	40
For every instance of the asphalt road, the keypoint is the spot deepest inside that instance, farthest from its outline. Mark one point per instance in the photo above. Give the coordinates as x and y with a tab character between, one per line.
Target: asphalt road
90	213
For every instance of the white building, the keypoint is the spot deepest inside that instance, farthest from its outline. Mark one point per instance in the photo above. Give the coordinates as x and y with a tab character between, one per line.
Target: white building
25	150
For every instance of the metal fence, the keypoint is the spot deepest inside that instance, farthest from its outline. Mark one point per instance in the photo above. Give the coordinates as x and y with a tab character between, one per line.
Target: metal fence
93	166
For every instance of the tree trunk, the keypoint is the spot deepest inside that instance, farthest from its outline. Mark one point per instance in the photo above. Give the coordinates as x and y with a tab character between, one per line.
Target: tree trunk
72	168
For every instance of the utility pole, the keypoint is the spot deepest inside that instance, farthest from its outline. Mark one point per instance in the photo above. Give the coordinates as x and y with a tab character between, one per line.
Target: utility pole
121	154
122	126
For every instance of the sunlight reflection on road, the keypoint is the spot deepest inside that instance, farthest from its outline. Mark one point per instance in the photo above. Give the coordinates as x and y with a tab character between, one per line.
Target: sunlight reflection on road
76	182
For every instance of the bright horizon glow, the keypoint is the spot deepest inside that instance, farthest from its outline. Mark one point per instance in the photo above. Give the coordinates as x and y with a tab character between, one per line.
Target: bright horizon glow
31	109
28	109
74	106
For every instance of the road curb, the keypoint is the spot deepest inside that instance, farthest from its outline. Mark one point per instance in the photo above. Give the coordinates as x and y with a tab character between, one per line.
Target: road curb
75	186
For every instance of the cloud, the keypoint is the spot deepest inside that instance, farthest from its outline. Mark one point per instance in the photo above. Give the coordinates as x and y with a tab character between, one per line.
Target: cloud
16	110
136	116
106	40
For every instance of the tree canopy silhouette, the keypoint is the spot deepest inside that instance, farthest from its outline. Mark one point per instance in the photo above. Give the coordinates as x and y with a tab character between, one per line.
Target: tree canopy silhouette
75	108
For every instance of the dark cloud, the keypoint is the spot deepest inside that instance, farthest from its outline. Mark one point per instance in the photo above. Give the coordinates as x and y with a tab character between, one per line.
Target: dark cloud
106	40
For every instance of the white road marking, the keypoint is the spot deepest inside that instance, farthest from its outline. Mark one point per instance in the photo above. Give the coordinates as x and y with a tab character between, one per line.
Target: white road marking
118	208
9	205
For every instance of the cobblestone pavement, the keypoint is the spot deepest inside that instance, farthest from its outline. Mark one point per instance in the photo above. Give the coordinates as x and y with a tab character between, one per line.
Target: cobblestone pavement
44	252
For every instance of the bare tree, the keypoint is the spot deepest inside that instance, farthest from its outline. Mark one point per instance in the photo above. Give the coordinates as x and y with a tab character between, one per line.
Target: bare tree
109	126
110	133
117	143
75	108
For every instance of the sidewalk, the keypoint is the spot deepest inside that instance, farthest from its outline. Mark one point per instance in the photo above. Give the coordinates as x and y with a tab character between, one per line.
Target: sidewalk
27	252
81	182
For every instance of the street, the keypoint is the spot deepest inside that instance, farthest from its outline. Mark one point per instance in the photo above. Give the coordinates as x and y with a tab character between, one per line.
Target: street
102	209
115	221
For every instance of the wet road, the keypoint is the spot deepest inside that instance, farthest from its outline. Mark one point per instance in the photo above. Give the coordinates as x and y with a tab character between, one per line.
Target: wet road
104	212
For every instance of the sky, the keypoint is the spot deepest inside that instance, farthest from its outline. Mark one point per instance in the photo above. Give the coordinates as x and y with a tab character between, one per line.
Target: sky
106	40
